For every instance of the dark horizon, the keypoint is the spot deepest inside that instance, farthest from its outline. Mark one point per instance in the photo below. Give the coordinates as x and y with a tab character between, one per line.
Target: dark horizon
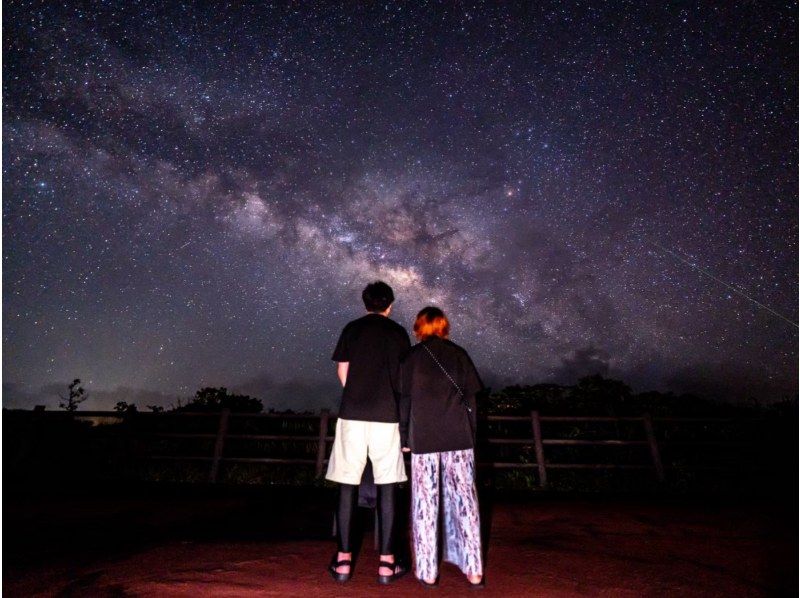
194	198
304	396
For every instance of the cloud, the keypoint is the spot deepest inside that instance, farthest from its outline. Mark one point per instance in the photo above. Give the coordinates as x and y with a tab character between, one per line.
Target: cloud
582	362
293	393
18	396
728	381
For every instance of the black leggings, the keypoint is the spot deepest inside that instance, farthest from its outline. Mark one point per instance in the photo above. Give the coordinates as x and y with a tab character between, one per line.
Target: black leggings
348	500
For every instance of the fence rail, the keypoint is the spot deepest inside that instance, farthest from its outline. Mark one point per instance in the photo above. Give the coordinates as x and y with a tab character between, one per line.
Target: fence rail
648	443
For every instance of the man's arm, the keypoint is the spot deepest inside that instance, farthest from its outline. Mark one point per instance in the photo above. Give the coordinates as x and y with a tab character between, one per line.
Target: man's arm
342	371
341	355
404	405
398	352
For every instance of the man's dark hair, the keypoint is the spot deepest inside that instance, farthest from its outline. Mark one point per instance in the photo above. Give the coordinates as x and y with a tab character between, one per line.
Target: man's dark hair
377	296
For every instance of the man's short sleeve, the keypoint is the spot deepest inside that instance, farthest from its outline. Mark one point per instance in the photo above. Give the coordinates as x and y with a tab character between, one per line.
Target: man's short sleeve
342	350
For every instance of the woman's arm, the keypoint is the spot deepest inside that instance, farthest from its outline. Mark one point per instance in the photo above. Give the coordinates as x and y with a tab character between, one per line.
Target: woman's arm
472	386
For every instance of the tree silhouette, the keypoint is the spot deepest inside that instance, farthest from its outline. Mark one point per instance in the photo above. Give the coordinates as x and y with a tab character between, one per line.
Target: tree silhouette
124	407
77	395
216	399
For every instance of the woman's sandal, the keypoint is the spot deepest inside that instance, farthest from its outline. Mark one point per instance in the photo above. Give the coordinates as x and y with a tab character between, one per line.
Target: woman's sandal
477	586
340	577
398	571
428	585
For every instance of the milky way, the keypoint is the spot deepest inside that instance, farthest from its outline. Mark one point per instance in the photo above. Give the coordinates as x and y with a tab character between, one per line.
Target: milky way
197	195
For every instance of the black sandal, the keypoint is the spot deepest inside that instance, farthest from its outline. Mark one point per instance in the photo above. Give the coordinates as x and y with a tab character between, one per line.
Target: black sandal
394	566
340	577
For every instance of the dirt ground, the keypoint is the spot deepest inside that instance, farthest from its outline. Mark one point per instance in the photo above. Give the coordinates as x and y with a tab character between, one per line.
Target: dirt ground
221	545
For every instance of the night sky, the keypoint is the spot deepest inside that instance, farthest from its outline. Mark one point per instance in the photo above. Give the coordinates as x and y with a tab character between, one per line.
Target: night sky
196	196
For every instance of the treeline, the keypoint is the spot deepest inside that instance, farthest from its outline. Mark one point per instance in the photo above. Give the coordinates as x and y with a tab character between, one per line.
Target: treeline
596	395
206	400
591	395
750	436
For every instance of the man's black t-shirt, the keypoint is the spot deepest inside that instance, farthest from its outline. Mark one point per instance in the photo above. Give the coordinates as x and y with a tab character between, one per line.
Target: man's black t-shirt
372	345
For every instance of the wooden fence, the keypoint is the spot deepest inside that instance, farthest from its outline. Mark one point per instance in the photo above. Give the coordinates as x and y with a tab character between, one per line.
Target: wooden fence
650	445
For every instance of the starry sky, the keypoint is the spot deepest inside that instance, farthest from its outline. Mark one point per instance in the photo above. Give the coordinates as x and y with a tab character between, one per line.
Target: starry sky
196	194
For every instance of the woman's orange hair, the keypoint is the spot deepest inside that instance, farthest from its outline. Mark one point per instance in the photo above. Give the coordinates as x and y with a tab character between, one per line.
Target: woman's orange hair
431	321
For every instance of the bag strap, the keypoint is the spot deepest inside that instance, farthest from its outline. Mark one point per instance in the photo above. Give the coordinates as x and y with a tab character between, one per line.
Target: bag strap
453	382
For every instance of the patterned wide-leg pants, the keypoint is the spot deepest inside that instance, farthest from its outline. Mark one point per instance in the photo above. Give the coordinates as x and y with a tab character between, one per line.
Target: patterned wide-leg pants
462	535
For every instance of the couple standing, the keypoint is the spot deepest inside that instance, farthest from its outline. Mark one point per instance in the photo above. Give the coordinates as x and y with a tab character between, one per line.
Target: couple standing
396	399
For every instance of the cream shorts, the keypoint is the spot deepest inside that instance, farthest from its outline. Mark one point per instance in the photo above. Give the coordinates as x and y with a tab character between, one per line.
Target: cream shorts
355	441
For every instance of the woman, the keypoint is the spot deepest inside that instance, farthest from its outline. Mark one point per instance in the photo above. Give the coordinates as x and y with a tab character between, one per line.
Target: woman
437	424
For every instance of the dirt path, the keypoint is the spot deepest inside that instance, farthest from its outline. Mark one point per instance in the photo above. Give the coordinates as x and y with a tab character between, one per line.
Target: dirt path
545	548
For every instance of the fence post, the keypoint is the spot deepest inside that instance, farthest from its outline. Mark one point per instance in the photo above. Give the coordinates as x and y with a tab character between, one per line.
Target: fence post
219	444
324	415
654	452
539	447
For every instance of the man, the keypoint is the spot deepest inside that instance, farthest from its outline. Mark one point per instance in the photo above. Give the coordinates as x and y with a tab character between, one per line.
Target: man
368	355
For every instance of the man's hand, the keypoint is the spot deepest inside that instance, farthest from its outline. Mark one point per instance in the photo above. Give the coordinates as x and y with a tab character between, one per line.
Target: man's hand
405	449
